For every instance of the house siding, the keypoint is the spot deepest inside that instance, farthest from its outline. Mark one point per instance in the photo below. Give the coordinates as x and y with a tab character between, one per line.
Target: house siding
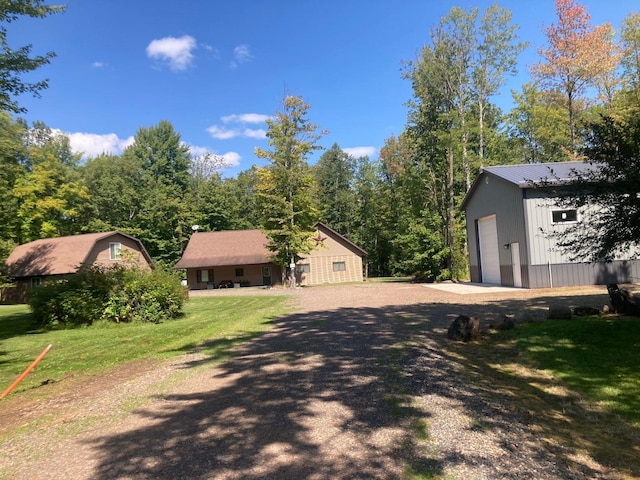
321	261
130	249
498	197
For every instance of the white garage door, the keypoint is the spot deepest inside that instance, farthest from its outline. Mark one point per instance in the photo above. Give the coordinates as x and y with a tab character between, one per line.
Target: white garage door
489	252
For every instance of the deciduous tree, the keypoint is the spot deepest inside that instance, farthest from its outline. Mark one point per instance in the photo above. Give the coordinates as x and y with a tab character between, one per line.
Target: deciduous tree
285	186
578	56
334	173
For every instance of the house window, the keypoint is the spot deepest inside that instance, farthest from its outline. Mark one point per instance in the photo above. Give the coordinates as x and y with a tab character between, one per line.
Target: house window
303	268
36	282
239	272
564	216
339	266
204	276
115	250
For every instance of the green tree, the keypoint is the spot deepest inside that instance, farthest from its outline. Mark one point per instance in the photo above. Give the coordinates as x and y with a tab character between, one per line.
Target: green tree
242	194
13	153
334	174
163	219
630	60
53	200
14	62
538	126
285	186
115	186
607	196
452	125
496	57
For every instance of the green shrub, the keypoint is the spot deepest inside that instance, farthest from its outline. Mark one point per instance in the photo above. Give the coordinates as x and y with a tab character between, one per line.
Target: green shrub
146	297
75	299
116	294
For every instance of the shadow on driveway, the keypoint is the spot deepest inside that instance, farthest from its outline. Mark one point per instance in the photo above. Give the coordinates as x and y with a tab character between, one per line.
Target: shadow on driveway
327	394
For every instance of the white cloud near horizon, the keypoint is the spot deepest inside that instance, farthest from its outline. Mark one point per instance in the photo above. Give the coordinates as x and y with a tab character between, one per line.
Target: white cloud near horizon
224	160
241	54
357	152
226	133
177	52
93	144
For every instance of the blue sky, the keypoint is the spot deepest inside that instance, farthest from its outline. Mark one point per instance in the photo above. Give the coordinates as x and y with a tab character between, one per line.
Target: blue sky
217	69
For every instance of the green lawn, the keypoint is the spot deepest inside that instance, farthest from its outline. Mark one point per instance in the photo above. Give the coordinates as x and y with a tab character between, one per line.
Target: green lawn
598	356
211	325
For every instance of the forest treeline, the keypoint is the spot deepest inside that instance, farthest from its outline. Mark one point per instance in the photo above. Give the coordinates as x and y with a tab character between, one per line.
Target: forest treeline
403	207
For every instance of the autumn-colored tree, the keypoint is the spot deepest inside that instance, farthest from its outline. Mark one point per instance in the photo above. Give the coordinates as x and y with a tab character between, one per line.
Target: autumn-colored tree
578	56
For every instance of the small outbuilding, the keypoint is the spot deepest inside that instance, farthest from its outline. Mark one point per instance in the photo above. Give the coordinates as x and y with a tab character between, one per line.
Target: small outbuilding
32	263
241	258
510	212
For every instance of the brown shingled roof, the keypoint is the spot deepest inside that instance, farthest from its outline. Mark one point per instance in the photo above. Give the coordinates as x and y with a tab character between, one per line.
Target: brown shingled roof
231	247
57	256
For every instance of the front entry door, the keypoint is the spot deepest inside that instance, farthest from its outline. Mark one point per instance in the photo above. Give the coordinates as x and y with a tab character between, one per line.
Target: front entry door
266	275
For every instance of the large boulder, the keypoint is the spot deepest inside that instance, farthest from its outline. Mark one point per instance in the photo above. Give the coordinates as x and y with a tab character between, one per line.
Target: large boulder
464	329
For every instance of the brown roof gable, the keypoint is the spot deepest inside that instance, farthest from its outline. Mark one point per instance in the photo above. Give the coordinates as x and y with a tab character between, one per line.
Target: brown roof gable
238	247
231	247
57	256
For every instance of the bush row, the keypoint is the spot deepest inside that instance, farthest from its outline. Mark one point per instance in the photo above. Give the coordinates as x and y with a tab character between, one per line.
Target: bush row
116	294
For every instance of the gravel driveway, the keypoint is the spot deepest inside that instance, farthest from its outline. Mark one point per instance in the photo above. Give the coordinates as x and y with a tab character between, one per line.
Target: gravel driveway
353	384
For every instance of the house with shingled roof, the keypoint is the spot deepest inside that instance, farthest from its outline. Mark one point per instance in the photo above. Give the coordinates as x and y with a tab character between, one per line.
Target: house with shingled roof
241	258
511	213
32	263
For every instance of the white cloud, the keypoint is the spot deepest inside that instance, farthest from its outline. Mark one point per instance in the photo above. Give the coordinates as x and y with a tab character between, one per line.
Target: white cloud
93	144
177	52
245	118
258	133
222	133
225	133
241	54
98	64
358	152
232	159
211	161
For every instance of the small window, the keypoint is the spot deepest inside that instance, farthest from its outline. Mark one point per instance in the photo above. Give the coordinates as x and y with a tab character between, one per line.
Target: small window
115	249
239	272
303	268
339	266
564	216
36	282
204	276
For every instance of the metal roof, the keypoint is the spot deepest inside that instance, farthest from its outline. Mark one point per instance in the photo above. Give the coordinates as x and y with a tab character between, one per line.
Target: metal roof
530	174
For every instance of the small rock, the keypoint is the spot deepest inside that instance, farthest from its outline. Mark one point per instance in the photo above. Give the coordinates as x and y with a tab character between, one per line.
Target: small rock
559	312
507	324
464	328
585	311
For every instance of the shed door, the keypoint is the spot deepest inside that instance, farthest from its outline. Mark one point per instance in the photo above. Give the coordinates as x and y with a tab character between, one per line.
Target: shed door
489	252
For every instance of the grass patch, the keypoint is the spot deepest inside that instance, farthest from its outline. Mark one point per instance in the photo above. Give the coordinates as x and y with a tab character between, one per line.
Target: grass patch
597	356
211	325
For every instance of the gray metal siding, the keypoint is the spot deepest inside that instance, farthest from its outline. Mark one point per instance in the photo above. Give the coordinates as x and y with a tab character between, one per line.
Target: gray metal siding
569	274
503	199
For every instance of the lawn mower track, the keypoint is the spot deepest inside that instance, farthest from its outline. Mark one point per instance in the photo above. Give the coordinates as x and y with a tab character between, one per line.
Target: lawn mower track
358	382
